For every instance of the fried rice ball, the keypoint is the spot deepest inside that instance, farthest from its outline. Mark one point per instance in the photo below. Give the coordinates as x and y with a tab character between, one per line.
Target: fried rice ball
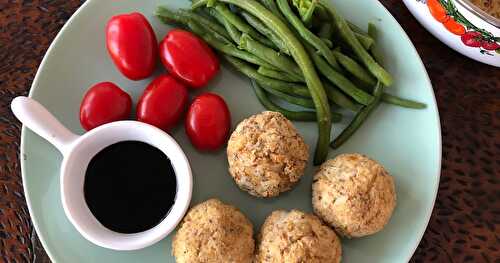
354	194
297	237
266	155
214	232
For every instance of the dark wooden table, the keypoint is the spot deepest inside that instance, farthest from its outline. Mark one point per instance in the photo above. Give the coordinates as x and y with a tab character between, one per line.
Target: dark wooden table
465	224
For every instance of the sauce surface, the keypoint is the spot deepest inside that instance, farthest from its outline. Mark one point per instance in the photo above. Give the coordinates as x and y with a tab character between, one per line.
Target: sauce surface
130	186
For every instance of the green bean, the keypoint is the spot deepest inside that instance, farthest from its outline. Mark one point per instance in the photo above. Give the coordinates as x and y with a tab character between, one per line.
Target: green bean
356	29
332	93
355	69
241	25
233	32
264	30
337	97
326	31
280	75
271	5
405	103
271	56
339	80
327	42
287	87
308	15
365	41
362	85
307	35
373	32
184	15
306	103
226	48
379	72
170	17
321	13
292	115
298	52
269	105
358	119
213	13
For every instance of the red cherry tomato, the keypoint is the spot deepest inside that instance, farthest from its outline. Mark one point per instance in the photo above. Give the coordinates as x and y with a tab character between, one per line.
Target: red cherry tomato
188	58
162	102
132	44
103	103
208	122
472	39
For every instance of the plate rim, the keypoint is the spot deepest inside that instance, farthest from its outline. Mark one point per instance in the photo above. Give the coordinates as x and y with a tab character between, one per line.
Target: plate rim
34	85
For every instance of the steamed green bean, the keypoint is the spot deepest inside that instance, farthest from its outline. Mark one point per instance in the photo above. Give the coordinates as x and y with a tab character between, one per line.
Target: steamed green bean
241	25
343	28
307	35
359	119
355	69
264	30
280	75
270	55
339	80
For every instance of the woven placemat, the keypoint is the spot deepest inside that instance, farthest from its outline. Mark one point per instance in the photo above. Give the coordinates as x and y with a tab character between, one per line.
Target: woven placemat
465	223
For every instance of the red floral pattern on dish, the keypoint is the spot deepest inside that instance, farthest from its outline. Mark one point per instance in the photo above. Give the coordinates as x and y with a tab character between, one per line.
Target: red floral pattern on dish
445	12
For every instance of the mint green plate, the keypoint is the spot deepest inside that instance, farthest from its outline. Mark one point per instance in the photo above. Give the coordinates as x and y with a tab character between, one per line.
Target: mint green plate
406	142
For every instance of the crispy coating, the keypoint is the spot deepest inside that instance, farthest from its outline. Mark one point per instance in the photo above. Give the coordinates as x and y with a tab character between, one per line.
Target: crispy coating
354	194
297	237
214	232
266	155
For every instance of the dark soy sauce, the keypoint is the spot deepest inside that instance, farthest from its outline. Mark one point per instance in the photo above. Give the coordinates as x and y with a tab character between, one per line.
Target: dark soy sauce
130	186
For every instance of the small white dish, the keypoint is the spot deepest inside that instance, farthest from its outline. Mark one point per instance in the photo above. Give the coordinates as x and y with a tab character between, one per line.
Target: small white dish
77	152
473	20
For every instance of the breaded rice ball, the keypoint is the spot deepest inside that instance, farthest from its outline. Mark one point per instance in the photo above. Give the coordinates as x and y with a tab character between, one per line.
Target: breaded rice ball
296	237
354	194
214	232
266	155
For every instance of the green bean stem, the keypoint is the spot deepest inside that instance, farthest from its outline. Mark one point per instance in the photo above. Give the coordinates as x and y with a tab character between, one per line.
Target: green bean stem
379	72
